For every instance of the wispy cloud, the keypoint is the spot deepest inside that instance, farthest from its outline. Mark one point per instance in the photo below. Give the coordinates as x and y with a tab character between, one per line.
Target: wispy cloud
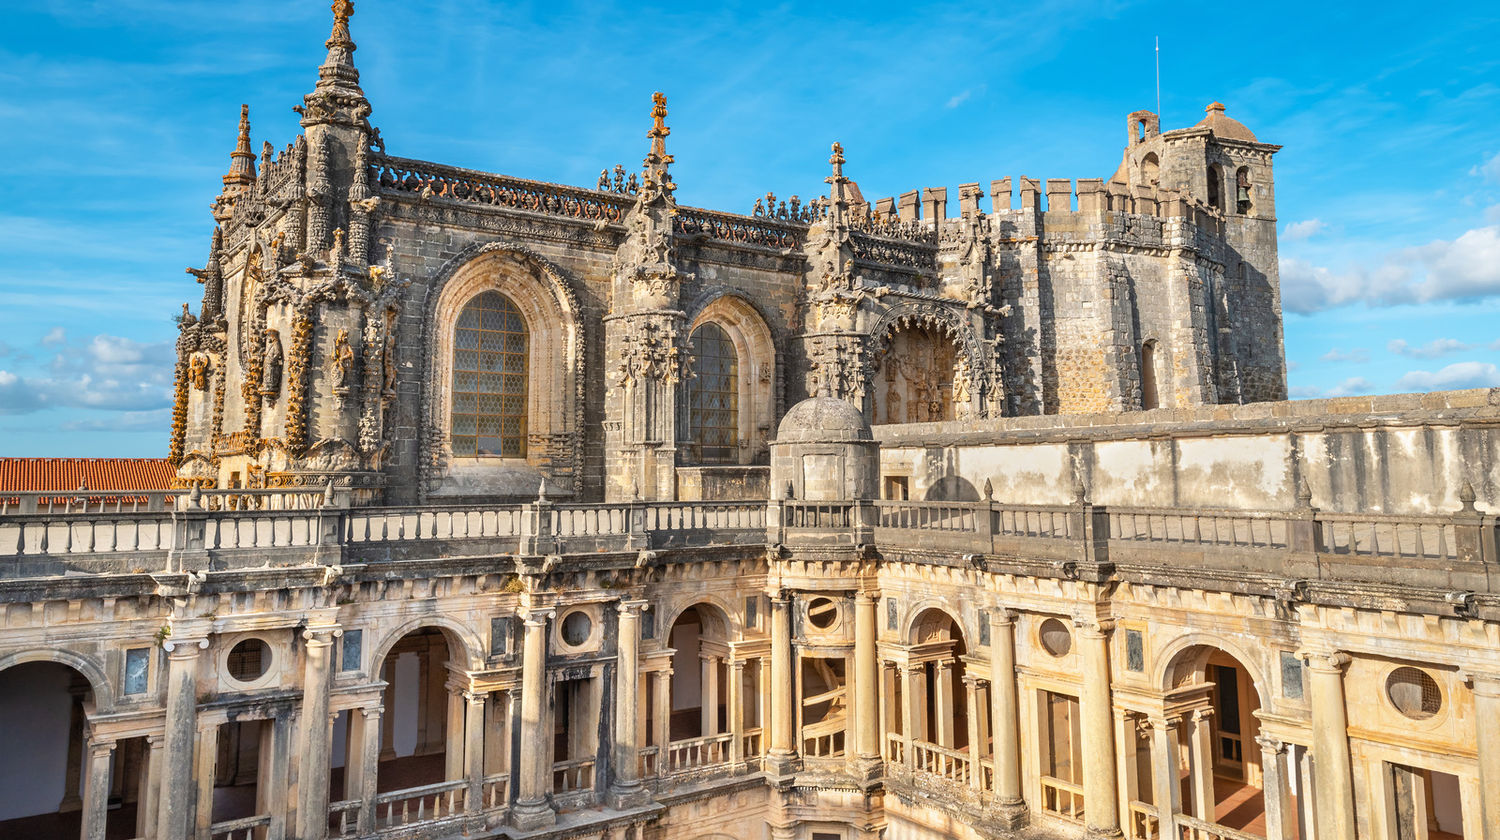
1431	350
1466	268
1358	354
109	373
959	99
1303	230
1458	375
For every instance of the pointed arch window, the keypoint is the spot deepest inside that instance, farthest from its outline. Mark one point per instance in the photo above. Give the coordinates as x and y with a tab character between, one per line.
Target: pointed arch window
489	379
713	395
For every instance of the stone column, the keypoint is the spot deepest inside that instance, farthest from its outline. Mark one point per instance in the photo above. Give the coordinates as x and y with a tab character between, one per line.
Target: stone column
1486	713
147	800
866	700
626	790
1201	780
205	768
1277	795
453	735
1005	702
371	725
942	705
316	736
532	808
74	773
663	716
1333	776
783	740
176	792
95	771
474	705
910	704
736	711
1100	787
708	695
1166	779
976	757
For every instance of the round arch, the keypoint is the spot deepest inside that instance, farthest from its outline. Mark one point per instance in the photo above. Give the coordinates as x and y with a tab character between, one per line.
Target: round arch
755	348
966	381
921	614
1194	649
710	609
86	667
462	642
554	401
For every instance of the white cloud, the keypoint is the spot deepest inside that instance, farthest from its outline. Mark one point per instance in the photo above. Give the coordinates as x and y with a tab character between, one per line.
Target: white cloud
1303	392
1489	170
1495	345
959	99
1454	377
54	337
1303	230
1358	354
1431	350
1352	386
1465	268
109	373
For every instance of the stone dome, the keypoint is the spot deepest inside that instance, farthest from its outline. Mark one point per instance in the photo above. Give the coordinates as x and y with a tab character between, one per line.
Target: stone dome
822	419
1224	127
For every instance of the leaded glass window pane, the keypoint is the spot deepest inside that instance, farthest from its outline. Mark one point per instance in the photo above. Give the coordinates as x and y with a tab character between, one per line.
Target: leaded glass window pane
489	379
137	670
713	395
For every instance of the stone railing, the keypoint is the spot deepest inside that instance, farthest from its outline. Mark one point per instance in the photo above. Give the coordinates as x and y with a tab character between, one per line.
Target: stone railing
432	181
343	818
1192	828
694	753
747	230
420	804
1062	799
574	775
934	760
1145	821
245	828
901	253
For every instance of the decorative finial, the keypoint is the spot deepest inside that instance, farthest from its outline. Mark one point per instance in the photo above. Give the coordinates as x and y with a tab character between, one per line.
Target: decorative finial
328	493
342	11
989	491
241	172
656	178
1467	497
1214	106
837	160
1304	493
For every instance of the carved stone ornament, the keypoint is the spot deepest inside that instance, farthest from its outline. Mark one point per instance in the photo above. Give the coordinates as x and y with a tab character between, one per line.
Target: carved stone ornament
198	370
271	364
649	350
342	362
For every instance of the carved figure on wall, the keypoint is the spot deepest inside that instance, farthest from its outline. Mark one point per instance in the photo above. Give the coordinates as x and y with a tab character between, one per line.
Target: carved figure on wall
270	376
198	372
343	362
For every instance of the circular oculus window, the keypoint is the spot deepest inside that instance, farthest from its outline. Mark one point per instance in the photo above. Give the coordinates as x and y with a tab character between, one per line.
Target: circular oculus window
823	613
577	627
1414	693
249	660
1055	637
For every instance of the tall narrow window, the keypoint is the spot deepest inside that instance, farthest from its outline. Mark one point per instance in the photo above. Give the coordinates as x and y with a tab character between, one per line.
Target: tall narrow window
489	379
713	395
1151	169
1149	397
1216	187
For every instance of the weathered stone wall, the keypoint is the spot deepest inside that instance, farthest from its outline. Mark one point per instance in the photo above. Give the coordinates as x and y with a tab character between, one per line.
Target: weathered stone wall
1405	453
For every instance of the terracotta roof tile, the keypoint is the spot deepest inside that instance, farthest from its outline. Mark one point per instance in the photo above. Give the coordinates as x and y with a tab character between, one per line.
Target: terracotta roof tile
65	474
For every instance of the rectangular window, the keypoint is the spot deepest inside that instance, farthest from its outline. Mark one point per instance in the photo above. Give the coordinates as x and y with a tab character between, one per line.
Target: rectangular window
1291	675
896	488
499	636
890	614
1135	651
984	629
352	648
648	624
137	670
751	606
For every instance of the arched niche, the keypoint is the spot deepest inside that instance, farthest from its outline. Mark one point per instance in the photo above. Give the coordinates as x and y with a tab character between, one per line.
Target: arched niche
755	354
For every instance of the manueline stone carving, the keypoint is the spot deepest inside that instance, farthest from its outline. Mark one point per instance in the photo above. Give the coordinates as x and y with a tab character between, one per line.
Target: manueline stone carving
271	361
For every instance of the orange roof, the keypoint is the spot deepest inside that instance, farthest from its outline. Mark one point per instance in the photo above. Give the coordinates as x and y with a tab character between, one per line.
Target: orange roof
65	474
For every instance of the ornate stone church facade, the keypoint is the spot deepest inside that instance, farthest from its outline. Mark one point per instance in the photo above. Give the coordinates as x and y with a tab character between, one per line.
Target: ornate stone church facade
511	509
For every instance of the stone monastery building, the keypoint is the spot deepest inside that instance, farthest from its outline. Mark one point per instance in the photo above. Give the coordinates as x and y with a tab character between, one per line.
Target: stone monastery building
511	509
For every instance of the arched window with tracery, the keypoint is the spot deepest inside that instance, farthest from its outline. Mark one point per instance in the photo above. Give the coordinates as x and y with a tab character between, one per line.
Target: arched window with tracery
713	395
489	379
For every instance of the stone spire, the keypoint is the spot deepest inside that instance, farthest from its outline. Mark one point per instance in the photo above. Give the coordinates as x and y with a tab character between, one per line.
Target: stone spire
241	174
838	187
657	180
337	97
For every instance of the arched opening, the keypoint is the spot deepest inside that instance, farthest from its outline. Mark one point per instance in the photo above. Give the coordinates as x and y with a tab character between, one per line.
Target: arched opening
51	760
914	383
420	738
700	639
713	396
490	379
1150	398
1215	702
942	726
1150	169
1243	203
1216	187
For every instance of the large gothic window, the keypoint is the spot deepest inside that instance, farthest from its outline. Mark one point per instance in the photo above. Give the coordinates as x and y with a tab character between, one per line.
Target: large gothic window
489	379
713	395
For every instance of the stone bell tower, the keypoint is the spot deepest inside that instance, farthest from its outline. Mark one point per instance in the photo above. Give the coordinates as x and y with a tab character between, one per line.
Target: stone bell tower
644	336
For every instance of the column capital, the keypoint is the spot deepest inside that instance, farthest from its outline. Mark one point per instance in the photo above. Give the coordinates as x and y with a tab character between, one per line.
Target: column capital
538	617
1270	744
1201	715
101	747
183	648
869	597
972	680
1484	683
1325	661
1093	628
632	608
372	711
1001	616
1164	724
323	634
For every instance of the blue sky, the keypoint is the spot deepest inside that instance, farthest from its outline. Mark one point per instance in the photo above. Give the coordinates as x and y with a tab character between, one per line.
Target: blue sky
119	118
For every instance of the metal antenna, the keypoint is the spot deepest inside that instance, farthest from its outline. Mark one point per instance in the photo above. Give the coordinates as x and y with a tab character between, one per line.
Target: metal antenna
1158	78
